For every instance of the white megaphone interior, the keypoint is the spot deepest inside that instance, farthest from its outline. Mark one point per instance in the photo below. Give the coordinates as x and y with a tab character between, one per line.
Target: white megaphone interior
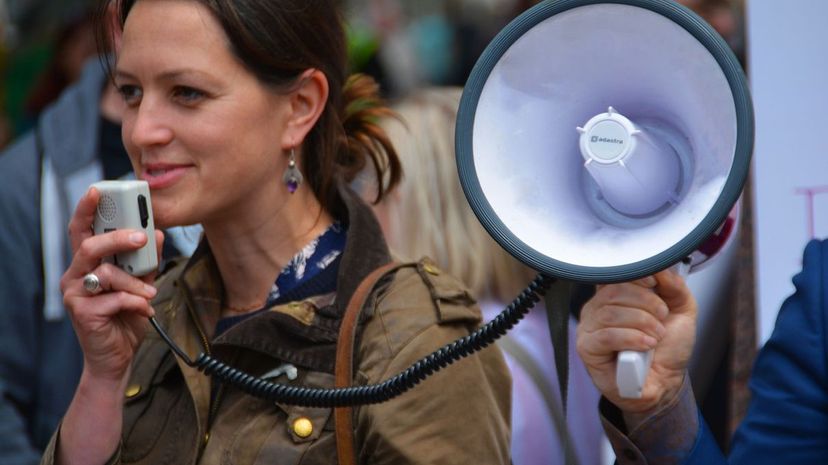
562	72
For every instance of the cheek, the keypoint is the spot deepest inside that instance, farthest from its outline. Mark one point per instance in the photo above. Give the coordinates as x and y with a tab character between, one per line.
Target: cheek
250	152
132	150
126	130
134	157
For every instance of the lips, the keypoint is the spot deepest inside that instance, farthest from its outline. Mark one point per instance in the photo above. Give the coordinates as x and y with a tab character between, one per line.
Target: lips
162	175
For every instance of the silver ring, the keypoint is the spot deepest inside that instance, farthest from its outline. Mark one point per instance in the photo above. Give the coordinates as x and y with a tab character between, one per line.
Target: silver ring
92	283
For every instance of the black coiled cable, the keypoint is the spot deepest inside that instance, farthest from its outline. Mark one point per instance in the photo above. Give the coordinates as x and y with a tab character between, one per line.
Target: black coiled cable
373	393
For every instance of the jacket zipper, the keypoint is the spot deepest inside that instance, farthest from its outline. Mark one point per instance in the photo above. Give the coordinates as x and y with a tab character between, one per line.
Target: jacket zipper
213	402
204	341
214	406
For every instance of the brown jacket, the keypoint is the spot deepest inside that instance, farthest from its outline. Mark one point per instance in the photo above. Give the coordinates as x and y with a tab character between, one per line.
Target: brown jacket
458	416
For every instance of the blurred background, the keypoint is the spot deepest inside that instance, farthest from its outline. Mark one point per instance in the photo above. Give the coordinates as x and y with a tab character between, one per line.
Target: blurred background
408	45
43	44
405	44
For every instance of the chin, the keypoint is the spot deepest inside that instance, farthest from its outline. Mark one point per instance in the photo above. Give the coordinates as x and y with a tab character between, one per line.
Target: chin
173	210
167	218
164	223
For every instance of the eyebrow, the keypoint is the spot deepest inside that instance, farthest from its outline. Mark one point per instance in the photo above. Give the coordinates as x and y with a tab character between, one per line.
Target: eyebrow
167	75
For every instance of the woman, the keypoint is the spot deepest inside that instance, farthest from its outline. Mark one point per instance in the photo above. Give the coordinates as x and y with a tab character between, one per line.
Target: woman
236	119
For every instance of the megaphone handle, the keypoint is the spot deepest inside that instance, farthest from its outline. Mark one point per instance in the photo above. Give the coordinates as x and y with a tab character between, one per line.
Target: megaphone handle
631	372
633	366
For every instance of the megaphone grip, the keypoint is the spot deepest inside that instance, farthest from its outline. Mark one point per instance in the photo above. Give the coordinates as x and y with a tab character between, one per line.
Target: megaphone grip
633	366
631	372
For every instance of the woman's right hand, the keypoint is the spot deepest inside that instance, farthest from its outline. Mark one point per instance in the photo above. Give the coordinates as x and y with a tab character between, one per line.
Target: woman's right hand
111	324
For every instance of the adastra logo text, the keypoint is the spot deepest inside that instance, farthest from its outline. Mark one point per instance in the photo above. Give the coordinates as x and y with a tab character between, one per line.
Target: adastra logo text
606	140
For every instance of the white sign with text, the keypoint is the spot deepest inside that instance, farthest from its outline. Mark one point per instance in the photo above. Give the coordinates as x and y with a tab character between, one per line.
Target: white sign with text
788	71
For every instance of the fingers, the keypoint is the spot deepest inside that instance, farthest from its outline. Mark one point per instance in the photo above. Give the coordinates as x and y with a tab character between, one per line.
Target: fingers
113	278
636	294
626	316
94	248
605	342
612	316
80	226
673	290
650	313
119	288
647	282
107	305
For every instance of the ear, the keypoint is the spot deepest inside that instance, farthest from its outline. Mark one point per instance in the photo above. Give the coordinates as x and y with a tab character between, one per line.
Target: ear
307	102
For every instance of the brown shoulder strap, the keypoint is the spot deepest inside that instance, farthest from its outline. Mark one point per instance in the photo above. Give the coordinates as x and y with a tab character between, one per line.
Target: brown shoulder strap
343	371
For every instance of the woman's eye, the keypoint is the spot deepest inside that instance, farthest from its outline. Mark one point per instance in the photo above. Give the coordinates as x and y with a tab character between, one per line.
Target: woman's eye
188	95
131	94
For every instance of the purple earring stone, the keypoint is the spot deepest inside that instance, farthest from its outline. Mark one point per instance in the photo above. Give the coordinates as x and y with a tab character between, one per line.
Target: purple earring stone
292	185
292	177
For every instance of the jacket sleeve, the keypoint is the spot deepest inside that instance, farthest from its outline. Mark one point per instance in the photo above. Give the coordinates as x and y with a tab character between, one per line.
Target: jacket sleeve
459	415
788	413
16	446
19	309
51	448
675	435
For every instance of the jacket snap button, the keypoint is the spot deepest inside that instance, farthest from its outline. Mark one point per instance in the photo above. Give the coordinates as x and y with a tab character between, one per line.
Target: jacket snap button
302	427
132	391
431	269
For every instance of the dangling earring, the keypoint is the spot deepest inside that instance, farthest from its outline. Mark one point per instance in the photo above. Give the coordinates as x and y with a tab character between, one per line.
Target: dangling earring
292	177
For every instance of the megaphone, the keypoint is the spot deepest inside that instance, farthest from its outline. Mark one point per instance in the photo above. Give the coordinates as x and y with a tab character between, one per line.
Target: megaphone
603	141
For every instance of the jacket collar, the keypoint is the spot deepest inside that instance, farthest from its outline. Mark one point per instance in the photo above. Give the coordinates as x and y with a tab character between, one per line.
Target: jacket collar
282	333
365	248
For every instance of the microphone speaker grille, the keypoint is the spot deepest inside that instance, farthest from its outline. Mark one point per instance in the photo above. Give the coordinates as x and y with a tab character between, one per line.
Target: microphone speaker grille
107	208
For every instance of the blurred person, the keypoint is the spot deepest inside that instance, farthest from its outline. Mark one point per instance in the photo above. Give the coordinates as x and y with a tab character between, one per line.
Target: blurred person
241	117
74	44
727	18
428	42
43	174
476	23
787	417
394	60
428	215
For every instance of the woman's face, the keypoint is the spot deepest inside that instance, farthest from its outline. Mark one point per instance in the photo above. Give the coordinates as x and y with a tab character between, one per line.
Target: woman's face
206	135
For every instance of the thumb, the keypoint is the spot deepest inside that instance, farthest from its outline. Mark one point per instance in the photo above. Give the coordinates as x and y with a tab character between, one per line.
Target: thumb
673	290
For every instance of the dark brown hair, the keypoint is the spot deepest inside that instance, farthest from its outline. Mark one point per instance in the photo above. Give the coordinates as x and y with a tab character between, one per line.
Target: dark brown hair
279	40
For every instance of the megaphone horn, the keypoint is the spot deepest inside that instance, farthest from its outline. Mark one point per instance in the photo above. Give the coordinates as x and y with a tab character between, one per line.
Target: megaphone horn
604	141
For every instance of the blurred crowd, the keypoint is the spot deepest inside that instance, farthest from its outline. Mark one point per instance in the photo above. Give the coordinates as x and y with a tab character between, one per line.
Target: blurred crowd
421	52
404	44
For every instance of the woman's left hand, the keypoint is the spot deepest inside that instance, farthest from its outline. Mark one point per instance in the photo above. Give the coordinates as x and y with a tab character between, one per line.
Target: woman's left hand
110	323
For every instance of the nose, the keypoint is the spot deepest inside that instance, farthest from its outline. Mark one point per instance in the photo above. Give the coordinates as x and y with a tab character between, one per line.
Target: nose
149	125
